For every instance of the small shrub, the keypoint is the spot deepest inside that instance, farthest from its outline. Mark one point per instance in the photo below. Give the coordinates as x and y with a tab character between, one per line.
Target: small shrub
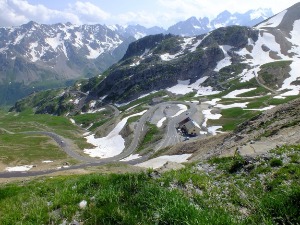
236	164
276	162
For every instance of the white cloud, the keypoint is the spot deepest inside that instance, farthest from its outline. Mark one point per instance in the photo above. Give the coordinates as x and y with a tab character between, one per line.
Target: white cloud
141	17
88	12
17	12
148	13
212	8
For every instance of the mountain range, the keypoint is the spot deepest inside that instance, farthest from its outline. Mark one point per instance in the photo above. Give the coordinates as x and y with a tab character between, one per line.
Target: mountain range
160	62
194	26
225	58
36	56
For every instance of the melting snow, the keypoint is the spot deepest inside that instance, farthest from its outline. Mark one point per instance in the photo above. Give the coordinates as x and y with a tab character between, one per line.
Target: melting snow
274	21
183	87
213	101
131	157
111	145
90	111
234	94
214	130
19	168
234	105
226	61
168	57
186	42
182	107
262	109
94	53
135	64
247	75
209	116
295	38
160	122
133	107
19	38
33	52
78	40
47	161
72	121
160	161
294	75
54	42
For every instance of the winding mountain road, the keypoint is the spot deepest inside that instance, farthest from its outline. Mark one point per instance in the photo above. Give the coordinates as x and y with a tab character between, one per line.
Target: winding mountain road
170	138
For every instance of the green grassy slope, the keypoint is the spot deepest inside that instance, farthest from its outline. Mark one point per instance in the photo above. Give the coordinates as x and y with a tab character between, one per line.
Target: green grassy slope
236	190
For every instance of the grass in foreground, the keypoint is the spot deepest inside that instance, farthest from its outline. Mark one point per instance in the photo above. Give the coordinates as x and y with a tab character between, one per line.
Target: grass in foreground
233	190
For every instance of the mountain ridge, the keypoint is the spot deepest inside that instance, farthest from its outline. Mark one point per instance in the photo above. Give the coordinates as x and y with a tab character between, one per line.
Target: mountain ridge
206	64
38	56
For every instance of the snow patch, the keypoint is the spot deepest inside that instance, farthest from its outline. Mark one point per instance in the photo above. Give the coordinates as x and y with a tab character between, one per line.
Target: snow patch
111	145
209	116
226	61
54	42
184	87
160	122
131	157
274	21
94	53
181	88
168	57
235	93
34	54
262	109
19	168
287	83
133	107
234	105
295	38
213	101
160	161
182	108
214	130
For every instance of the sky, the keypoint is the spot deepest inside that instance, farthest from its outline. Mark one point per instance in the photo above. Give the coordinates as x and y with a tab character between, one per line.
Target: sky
163	13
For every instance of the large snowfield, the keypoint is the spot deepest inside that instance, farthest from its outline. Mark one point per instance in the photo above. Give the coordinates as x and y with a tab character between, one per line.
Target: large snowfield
111	145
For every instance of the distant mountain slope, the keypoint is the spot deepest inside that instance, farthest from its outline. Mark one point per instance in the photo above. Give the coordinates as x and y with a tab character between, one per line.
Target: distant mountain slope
37	56
194	26
148	67
158	62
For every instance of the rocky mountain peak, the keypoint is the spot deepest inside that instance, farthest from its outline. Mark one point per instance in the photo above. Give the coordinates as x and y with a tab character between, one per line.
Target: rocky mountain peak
194	26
